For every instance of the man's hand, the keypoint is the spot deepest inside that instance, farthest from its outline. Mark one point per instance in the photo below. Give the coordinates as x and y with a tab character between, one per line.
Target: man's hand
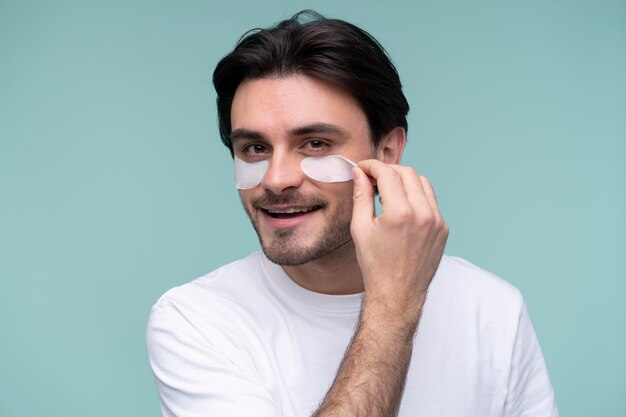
398	251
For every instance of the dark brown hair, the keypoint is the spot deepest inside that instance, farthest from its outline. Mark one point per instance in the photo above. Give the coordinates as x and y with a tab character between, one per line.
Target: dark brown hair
327	49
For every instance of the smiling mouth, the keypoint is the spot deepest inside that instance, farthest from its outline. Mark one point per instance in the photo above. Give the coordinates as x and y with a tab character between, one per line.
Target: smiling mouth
289	213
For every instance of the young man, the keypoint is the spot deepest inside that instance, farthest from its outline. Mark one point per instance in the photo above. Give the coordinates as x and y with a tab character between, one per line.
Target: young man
324	322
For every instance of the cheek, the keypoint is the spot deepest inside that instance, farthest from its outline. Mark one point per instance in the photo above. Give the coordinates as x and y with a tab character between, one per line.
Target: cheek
246	197
339	193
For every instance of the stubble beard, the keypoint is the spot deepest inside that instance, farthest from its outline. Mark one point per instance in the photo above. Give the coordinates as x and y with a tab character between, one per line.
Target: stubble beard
283	247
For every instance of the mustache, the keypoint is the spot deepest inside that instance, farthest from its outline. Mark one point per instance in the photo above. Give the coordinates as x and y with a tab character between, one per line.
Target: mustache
291	198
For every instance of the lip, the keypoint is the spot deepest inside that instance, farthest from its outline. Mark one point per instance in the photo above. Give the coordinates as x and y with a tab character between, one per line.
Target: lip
284	223
286	207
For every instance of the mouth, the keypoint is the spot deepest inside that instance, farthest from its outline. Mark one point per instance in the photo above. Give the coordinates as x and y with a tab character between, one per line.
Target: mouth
290	212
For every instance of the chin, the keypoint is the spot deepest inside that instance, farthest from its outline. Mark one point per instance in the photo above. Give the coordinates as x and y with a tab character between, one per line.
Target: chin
292	257
288	248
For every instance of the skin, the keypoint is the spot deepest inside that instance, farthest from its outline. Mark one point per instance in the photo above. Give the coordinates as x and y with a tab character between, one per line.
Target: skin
342	247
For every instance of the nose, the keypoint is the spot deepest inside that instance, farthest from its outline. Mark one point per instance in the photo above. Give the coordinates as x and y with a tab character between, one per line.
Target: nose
283	172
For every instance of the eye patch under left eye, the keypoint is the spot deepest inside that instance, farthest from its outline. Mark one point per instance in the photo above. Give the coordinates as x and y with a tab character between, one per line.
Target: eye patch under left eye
331	168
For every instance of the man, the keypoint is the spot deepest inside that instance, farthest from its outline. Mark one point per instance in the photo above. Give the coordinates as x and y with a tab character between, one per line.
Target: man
333	318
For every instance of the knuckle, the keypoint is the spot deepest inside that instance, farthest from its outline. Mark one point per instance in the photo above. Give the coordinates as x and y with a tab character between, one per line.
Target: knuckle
410	171
426	182
427	219
402	215
388	170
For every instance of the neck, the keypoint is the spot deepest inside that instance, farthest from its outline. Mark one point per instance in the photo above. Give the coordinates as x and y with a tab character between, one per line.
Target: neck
336	273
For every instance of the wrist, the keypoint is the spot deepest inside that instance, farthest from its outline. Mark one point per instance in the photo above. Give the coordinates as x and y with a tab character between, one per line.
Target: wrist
394	316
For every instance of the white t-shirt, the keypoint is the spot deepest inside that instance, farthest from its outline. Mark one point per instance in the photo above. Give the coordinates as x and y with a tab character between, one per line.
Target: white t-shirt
245	340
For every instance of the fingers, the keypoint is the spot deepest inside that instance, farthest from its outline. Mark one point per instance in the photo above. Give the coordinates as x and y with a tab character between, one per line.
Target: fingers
400	186
363	199
429	192
390	186
416	192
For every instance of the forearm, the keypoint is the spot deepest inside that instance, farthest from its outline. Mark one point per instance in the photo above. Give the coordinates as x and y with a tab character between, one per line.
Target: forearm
370	380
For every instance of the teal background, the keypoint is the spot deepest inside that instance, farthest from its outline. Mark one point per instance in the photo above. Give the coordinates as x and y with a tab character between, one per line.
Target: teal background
114	186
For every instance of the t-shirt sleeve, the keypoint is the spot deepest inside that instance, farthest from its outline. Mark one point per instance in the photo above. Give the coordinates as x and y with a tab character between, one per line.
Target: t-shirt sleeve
530	392
196	379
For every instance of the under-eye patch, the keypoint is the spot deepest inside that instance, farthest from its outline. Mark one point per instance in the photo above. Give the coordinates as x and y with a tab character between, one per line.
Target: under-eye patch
331	168
249	175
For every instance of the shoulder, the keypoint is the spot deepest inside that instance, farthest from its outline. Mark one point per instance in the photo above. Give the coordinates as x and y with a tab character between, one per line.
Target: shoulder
471	307
197	344
459	275
476	317
220	299
236	278
461	287
217	309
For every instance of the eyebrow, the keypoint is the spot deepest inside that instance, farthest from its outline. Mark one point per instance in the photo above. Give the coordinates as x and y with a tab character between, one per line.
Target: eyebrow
245	134
317	128
314	128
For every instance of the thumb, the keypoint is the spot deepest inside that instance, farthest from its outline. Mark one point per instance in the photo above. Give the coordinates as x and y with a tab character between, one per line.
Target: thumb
363	200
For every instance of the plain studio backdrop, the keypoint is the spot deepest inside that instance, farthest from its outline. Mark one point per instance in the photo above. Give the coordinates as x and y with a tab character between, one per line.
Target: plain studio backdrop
114	186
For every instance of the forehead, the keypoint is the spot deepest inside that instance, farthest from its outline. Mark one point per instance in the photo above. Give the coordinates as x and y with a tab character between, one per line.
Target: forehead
273	105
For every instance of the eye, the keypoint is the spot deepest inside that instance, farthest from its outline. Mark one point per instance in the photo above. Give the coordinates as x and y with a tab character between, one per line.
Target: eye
254	149
316	144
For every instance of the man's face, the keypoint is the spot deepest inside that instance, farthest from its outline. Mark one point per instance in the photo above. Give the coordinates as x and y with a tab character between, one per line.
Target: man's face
283	120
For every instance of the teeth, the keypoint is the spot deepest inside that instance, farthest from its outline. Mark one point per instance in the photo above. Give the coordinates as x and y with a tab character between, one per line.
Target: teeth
290	211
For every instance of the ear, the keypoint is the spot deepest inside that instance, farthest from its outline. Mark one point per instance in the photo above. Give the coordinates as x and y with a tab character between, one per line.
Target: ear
391	147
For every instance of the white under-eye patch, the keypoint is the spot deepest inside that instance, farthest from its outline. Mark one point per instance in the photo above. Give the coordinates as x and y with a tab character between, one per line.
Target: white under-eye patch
249	175
331	168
